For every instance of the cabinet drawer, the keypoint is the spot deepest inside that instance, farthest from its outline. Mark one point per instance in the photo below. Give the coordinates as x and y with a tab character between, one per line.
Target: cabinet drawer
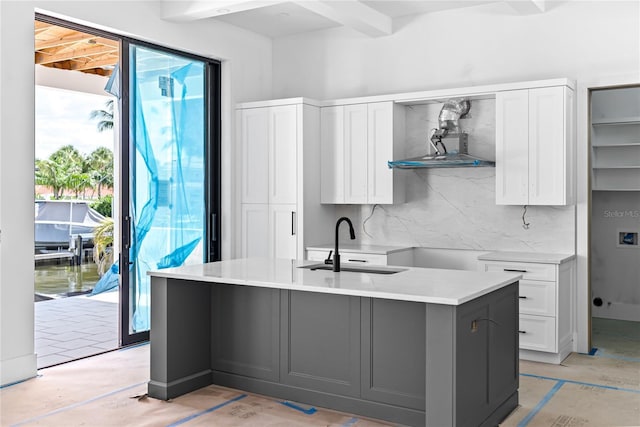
537	333
360	258
538	297
346	256
529	271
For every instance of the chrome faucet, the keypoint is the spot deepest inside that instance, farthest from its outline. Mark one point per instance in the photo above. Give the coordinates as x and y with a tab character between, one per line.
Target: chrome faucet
336	255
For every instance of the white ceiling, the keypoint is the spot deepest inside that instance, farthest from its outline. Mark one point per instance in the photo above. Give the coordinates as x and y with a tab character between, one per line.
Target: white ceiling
276	18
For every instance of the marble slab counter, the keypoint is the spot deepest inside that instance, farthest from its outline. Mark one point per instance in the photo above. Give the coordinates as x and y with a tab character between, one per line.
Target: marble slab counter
545	258
426	285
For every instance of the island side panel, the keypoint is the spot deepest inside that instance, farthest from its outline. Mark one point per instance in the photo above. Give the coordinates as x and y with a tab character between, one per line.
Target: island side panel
246	325
393	352
440	363
504	368
180	337
472	360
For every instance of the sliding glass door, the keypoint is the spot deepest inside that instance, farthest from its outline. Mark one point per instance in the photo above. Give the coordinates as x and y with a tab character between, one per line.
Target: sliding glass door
170	179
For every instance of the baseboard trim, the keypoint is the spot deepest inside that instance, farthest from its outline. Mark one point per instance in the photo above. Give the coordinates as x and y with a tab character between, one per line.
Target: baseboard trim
165	391
18	369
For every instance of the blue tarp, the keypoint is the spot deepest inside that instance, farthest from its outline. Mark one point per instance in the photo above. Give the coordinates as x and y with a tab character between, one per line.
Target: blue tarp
167	202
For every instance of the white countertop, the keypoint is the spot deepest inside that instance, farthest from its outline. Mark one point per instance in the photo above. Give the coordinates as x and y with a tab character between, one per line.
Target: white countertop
365	249
427	285
543	258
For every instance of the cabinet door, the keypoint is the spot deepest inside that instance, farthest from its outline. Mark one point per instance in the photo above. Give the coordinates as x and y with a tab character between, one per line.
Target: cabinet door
246	327
547	146
283	231
355	153
512	140
320	342
380	150
393	364
253	128
282	158
255	230
332	154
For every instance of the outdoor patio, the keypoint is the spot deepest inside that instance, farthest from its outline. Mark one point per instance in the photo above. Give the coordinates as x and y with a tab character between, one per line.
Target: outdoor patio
75	327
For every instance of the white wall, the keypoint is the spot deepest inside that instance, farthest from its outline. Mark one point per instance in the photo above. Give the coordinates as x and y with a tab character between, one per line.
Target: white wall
75	81
464	47
595	42
246	75
615	269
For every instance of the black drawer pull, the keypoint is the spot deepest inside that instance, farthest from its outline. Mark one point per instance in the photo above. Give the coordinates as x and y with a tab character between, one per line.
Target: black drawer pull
356	260
522	297
515	270
522	332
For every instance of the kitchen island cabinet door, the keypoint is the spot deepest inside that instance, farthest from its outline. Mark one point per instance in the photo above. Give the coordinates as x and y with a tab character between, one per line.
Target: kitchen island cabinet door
320	342
393	352
245	329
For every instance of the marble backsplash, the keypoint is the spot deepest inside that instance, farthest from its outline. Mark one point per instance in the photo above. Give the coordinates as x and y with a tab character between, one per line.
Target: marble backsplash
455	208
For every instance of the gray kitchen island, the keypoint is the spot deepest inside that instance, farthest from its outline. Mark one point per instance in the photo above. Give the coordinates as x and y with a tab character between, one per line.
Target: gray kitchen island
418	346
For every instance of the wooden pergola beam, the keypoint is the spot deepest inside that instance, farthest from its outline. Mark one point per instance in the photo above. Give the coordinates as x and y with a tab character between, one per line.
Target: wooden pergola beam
46	58
73	38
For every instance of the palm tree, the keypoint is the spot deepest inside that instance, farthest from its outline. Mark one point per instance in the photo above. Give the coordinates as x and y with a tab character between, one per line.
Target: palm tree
47	175
104	117
99	165
70	168
103	245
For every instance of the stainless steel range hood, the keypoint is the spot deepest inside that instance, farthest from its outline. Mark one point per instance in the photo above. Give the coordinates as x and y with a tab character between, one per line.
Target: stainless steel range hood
454	144
455	155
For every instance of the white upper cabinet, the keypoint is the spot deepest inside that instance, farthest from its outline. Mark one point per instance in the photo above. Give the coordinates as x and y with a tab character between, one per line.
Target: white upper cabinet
357	141
332	154
534	146
355	153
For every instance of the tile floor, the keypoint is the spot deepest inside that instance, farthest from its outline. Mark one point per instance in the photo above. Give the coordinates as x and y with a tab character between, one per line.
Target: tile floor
74	327
109	389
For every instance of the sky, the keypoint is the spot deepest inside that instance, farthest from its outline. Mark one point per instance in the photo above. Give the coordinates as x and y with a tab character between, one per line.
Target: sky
63	118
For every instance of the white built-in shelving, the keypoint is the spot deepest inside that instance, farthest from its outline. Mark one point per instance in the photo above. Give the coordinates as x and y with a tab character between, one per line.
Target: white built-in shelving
615	140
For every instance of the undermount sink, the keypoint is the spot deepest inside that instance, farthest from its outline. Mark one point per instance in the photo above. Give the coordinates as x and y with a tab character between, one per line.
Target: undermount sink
356	268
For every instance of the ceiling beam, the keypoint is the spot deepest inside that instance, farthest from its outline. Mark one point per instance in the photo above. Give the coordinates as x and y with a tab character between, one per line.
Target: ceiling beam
75	38
46	58
528	7
80	65
351	13
191	10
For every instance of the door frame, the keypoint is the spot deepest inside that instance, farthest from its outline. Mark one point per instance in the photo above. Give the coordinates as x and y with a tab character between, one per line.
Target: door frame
582	299
212	183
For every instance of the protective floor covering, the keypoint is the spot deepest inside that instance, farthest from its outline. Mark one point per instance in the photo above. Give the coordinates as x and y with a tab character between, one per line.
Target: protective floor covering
109	390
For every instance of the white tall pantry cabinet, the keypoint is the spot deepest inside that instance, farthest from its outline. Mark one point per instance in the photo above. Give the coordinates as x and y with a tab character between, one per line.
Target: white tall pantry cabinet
535	146
280	178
